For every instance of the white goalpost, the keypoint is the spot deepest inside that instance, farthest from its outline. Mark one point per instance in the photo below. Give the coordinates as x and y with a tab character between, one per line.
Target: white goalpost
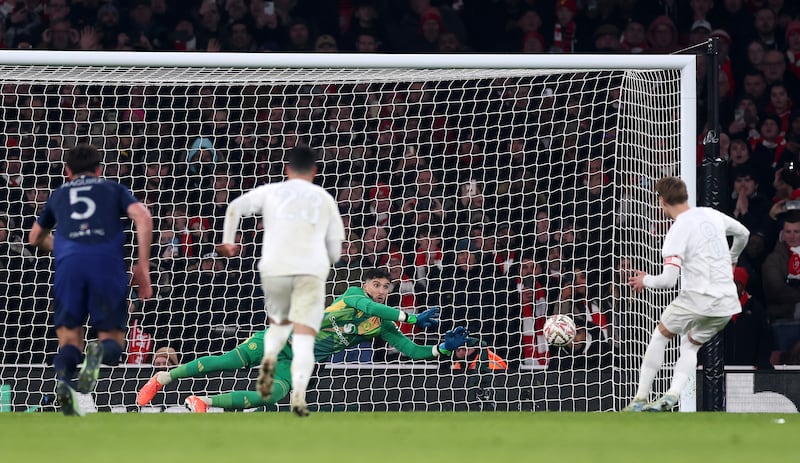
501	188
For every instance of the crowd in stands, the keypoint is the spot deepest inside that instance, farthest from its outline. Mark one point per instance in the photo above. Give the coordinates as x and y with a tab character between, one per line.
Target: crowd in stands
494	218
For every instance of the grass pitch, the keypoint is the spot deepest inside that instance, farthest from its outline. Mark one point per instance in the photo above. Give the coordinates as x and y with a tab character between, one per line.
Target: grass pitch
400	437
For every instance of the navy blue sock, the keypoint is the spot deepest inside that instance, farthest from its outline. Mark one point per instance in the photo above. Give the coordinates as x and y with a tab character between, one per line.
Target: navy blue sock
112	351
66	362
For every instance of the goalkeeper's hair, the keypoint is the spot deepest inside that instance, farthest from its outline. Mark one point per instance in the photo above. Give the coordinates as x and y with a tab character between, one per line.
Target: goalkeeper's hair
673	190
302	159
373	273
82	158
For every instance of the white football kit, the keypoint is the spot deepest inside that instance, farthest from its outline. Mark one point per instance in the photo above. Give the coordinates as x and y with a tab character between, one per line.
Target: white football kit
697	245
303	234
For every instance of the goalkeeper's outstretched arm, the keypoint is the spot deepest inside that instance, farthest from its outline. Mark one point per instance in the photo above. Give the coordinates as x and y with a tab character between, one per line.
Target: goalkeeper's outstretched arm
427	319
453	339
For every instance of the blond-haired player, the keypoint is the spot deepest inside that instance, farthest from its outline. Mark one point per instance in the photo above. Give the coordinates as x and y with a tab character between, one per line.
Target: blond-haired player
696	248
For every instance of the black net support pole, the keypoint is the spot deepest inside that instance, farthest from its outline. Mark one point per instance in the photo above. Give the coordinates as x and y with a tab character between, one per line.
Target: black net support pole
714	193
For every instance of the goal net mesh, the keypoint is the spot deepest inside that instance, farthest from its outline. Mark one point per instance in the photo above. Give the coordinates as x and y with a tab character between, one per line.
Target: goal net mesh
499	195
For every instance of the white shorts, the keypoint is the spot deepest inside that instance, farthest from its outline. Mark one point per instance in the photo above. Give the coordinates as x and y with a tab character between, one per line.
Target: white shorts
700	328
298	298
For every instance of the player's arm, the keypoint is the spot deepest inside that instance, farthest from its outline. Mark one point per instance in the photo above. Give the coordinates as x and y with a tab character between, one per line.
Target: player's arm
143	221
41	237
427	319
740	235
246	205
668	276
335	233
453	339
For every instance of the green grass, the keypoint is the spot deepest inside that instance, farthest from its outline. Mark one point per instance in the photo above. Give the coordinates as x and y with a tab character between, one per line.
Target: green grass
400	437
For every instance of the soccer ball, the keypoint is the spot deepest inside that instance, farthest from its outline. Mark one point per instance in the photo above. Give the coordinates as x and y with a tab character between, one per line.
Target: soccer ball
559	330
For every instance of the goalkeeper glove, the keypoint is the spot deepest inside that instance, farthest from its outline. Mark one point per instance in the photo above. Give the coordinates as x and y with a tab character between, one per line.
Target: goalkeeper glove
428	319
453	339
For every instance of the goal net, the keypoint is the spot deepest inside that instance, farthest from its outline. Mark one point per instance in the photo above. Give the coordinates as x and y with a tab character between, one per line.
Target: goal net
501	189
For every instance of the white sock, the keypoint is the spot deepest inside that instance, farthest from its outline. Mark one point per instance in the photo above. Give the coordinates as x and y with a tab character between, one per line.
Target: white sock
163	378
275	338
303	362
653	359
684	367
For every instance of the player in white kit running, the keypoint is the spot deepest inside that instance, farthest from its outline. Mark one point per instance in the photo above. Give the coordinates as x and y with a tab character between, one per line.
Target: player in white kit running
696	248
303	234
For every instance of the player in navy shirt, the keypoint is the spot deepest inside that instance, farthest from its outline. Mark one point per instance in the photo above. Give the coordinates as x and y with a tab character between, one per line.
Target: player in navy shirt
90	275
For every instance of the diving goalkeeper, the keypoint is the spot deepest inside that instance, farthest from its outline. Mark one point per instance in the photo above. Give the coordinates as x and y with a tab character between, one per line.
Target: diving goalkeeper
354	317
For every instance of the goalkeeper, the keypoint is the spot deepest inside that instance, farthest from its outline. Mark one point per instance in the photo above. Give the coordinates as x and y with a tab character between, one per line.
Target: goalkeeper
354	317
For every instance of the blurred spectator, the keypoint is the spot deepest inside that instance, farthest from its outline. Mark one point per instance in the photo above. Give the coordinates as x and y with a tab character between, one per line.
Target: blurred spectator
576	301
239	38
401	287
533	42
701	29
634	37
589	349
745	119
367	42
363	30
449	43
725	64
754	85
748	336
60	36
527	27
480	364
325	43
11	178
415	25
201	236
375	247
767	148
108	27
139	343
145	34
733	17
781	280
298	36
606	39
208	27
749	206
428	255
165	357
780	105
22	25
793	47
347	271
775	70
662	36
564	37
532	310
14	256
766	26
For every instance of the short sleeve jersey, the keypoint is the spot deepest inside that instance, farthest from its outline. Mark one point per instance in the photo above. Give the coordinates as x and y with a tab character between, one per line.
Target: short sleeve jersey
697	244
299	218
87	215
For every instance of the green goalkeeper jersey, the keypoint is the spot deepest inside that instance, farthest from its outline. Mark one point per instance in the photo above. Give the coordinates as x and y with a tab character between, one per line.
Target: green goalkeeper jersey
353	318
350	320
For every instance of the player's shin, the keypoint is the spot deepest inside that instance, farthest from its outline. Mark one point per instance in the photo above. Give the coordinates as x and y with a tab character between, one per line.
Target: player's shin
302	362
66	362
684	367
112	351
653	359
240	400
